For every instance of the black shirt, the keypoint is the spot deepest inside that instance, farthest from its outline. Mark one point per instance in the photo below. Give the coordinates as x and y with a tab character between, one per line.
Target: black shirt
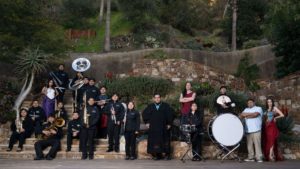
119	110
27	125
58	134
92	92
93	117
63	77
37	113
74	125
132	121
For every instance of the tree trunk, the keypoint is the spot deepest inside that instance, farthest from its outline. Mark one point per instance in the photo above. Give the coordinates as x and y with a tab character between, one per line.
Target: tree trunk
23	94
101	12
107	28
234	20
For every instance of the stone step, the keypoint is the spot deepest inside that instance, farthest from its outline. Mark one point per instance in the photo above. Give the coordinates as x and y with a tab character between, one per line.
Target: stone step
75	148
61	155
31	141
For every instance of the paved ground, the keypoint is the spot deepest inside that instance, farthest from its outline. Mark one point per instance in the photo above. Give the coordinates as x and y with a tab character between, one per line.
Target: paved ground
141	164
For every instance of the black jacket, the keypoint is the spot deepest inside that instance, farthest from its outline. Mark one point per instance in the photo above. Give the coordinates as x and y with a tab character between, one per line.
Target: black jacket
27	125
38	113
220	109
63	114
196	119
93	117
119	109
74	125
132	121
63	77
80	92
92	92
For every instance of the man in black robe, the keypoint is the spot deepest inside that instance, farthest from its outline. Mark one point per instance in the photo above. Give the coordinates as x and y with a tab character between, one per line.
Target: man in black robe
158	117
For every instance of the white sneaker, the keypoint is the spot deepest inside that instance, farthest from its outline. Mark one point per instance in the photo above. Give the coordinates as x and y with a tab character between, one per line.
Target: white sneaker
249	160
259	160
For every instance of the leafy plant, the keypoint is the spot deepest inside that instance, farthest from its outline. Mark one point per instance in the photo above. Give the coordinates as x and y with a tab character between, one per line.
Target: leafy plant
285	124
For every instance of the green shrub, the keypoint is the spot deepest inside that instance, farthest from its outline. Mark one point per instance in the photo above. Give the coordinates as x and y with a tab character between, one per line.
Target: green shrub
285	124
140	88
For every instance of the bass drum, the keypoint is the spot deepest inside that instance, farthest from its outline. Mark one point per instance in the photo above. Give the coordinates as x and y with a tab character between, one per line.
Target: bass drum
226	129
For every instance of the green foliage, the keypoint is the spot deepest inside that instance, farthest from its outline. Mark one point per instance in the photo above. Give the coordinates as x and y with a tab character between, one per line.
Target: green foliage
139	87
186	15
76	13
283	29
141	13
250	18
31	61
285	124
160	55
248	72
25	24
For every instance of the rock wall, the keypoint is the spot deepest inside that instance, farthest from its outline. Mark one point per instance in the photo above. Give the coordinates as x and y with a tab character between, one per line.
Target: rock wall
286	92
227	62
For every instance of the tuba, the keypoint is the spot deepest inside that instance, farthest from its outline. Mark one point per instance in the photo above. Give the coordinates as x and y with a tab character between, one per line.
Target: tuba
59	121
51	127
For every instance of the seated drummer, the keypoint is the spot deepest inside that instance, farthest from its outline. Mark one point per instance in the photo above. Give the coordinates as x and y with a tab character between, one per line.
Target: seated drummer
51	137
20	132
226	104
195	117
73	130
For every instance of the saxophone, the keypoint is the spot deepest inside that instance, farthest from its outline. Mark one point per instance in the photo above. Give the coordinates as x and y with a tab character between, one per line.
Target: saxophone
85	113
19	124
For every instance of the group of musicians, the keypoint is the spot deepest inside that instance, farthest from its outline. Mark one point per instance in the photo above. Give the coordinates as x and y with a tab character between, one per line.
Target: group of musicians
96	114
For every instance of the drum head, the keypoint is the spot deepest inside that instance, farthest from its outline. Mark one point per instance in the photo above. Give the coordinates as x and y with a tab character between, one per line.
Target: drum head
227	129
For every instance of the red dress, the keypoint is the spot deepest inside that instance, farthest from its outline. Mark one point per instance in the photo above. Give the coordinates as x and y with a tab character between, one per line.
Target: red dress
186	107
270	135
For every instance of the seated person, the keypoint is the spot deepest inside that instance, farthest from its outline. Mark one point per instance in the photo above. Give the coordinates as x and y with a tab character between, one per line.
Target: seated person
51	137
37	114
21	129
73	130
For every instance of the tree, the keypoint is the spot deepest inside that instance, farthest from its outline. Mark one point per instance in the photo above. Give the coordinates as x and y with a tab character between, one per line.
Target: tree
283	30
101	12
29	63
23	23
234	20
107	27
250	21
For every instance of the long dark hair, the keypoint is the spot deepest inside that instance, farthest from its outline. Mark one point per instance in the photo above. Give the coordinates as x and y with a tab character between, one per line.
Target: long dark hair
273	104
53	86
184	90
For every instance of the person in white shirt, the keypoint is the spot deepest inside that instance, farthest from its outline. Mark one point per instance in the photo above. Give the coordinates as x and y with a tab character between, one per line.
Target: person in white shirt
252	116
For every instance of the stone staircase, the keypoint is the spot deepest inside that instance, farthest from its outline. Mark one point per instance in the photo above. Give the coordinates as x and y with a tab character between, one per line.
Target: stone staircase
28	148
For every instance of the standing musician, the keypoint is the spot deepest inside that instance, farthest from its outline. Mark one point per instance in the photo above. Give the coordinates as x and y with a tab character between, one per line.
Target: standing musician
61	112
37	114
73	131
76	83
21	129
52	133
61	80
116	112
92	91
89	119
195	117
101	103
223	102
80	93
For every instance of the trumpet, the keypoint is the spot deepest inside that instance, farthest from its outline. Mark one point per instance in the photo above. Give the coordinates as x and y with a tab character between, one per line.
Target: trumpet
85	113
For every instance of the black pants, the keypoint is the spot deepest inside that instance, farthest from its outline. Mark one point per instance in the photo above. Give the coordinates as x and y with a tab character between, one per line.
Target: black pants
70	138
61	93
87	140
15	136
167	146
196	139
37	127
130	140
114	136
39	146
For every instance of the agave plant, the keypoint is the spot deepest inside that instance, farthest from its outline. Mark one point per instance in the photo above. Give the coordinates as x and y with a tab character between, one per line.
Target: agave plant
28	64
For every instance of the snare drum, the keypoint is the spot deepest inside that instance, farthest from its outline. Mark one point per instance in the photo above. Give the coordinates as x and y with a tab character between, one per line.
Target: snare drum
226	129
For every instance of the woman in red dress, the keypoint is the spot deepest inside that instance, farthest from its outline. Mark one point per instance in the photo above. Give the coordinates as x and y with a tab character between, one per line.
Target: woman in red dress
186	99
271	132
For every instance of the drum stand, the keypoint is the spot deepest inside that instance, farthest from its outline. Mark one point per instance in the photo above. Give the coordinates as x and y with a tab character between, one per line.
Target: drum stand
228	151
190	149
